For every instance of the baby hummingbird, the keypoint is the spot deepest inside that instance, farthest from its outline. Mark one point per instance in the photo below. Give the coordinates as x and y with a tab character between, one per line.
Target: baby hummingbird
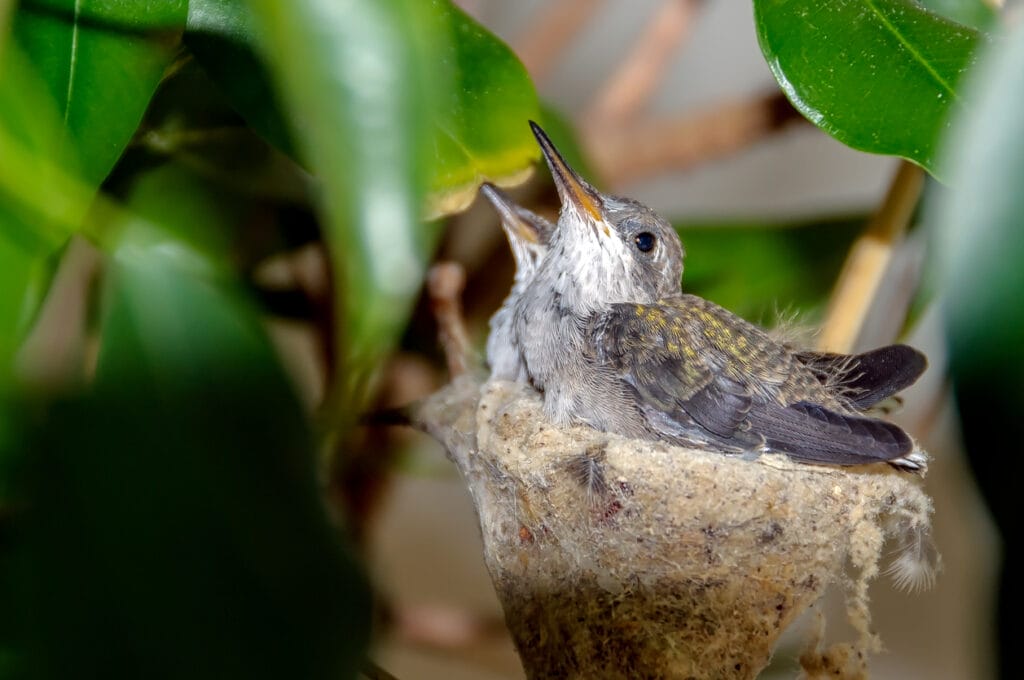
863	380
606	334
528	235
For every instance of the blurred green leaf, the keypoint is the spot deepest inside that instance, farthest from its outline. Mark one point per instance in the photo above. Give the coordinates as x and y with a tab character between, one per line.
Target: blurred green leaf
132	16
762	271
481	132
182	489
221	35
197	214
101	62
978	232
979	223
878	75
358	78
977	14
191	121
40	205
479	127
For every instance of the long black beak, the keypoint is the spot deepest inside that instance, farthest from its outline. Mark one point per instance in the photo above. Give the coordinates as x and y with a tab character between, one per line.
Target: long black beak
525	224
571	187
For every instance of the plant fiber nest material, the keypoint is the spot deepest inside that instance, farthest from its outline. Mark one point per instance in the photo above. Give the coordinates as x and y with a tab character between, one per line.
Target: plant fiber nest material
618	558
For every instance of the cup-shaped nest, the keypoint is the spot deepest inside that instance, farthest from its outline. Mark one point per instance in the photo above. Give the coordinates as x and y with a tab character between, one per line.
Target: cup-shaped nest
616	558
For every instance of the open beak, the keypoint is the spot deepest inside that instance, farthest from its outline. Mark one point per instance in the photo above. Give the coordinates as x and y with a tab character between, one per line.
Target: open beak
521	222
572	188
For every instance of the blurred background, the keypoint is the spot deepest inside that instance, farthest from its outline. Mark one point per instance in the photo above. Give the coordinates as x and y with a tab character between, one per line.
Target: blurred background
213	255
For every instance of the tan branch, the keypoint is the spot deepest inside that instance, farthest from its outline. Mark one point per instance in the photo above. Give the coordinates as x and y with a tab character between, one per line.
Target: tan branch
631	85
551	31
445	283
868	261
625	154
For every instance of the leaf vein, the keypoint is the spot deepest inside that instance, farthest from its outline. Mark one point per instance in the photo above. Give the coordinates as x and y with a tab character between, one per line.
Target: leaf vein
73	61
913	52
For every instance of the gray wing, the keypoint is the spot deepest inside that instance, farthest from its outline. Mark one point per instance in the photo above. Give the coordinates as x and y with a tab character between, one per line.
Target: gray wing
651	350
689	375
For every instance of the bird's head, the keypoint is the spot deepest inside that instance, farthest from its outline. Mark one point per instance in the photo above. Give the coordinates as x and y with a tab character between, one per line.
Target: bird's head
614	249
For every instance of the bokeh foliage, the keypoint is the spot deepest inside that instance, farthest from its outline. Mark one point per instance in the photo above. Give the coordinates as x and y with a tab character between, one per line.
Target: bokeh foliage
977	230
160	514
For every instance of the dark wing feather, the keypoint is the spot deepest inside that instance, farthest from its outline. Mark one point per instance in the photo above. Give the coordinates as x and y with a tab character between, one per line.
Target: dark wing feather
814	434
868	378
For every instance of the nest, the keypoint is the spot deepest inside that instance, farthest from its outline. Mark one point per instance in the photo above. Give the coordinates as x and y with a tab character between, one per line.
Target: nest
623	558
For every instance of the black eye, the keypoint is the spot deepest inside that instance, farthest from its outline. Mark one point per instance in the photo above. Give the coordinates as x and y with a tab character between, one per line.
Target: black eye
644	241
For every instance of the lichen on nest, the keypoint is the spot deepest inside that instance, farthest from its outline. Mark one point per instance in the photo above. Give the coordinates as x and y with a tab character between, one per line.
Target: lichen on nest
624	558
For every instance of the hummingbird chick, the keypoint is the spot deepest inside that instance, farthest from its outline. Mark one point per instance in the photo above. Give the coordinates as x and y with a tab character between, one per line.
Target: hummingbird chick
864	380
528	235
606	334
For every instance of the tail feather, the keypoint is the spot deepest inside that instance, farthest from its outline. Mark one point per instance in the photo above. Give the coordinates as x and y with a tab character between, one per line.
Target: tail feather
814	434
868	378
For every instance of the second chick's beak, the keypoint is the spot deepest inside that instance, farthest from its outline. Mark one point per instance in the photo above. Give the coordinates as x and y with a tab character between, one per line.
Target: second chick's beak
525	224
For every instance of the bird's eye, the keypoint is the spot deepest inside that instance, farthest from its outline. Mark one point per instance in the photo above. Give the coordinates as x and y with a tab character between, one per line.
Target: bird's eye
644	241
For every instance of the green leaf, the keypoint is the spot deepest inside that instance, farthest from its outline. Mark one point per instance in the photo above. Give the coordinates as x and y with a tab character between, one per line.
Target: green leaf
181	488
221	35
101	62
762	271
979	224
978	233
358	79
191	123
480	131
878	75
119	14
40	205
390	100
977	14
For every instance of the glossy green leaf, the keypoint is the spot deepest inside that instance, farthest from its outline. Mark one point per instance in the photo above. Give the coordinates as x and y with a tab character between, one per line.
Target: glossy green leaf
358	79
764	271
878	75
181	488
481	131
101	62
